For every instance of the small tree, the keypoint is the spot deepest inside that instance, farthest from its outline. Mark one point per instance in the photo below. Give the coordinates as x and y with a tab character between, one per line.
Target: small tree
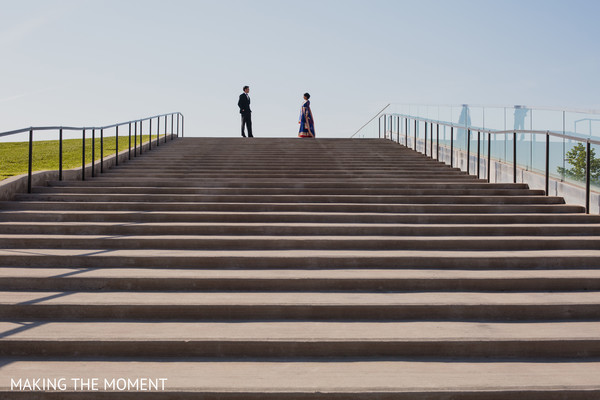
576	157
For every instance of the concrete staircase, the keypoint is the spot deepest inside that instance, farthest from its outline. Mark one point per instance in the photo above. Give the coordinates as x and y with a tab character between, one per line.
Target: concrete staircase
298	269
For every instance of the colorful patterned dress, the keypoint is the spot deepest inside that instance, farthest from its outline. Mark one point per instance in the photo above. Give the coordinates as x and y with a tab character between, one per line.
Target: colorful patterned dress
307	123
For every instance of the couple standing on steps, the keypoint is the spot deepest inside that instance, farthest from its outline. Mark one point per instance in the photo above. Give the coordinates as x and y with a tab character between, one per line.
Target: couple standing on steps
307	123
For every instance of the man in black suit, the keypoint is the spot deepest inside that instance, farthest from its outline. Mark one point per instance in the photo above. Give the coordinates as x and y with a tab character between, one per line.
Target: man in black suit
244	105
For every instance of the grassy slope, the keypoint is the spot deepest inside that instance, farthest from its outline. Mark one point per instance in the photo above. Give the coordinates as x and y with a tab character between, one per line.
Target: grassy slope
14	160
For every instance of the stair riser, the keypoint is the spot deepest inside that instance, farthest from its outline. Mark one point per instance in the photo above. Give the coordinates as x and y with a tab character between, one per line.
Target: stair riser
299	349
238	217
293	262
376	394
146	182
288	191
153	198
300	207
299	285
433	175
325	230
252	243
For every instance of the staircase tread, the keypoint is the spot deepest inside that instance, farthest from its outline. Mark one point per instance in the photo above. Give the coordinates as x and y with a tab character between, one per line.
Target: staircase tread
267	274
284	299
298	331
323	238
282	254
353	376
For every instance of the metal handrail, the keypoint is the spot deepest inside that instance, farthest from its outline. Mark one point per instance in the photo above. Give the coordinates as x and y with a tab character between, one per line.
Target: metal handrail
489	132
368	122
495	132
83	129
71	128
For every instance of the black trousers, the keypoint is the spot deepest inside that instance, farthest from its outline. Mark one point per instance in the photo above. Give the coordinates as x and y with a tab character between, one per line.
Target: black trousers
247	121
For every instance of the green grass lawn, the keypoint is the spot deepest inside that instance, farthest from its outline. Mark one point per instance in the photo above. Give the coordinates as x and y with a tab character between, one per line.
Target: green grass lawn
14	159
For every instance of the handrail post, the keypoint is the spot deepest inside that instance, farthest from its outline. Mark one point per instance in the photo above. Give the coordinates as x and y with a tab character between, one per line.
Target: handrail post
30	161
547	163
141	137
406	131
130	140
437	145
177	124
135	139
588	173
83	156
158	131
468	151
489	160
172	117
431	142
451	147
117	145
102	150
150	136
478	153
182	123
425	142
93	151
60	154
515	157
166	117
384	126
416	126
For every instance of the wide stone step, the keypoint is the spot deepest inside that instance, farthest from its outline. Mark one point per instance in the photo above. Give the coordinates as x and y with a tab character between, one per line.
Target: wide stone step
259	168
289	229
315	306
278	280
295	163
285	191
240	179
265	242
329	199
59	215
299	259
93	206
300	339
274	176
266	184
251	379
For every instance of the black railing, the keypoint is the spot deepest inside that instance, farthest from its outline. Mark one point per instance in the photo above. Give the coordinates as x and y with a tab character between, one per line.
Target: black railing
173	116
547	134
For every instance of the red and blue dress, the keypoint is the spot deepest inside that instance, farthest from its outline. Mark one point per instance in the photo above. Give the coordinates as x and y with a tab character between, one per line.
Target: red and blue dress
307	123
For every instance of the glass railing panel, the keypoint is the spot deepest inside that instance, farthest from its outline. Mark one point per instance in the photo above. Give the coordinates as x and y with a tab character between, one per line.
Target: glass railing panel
544	120
582	124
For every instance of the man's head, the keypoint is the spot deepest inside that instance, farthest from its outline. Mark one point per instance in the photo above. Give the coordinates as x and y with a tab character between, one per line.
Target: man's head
246	89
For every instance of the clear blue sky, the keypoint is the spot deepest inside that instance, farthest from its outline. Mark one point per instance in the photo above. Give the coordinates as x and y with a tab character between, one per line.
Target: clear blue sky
95	62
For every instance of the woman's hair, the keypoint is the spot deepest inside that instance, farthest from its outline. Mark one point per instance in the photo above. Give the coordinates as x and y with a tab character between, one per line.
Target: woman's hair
307	96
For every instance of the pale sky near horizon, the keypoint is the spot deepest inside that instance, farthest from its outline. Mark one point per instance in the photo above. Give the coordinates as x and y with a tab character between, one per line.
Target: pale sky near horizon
93	62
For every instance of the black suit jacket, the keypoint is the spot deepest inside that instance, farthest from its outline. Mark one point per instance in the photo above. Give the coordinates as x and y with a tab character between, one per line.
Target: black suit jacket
244	104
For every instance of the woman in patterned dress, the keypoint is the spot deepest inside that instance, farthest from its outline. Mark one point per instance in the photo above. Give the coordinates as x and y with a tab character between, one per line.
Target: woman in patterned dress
307	123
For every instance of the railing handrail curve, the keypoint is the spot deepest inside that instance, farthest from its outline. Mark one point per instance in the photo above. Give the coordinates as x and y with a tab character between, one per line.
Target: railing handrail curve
79	128
493	131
